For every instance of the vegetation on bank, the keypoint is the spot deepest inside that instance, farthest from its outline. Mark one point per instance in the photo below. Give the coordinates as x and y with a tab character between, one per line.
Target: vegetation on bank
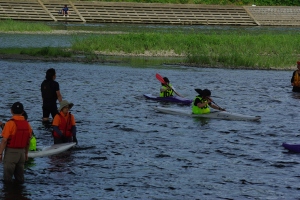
11	25
44	51
217	2
233	48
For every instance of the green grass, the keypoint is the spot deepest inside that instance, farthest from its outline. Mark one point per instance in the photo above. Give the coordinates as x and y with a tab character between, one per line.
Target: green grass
12	25
234	48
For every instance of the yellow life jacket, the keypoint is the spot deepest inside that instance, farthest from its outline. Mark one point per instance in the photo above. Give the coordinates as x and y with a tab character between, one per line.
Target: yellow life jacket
203	110
166	93
32	144
296	79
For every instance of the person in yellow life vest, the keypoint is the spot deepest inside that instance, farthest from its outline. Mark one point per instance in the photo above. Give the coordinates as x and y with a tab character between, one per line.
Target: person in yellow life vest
64	126
166	89
295	80
203	102
15	140
32	143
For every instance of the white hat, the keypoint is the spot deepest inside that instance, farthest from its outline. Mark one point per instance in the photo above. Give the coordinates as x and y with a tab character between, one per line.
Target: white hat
63	104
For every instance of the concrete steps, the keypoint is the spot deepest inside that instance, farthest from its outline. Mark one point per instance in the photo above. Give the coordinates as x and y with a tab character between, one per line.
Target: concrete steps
148	13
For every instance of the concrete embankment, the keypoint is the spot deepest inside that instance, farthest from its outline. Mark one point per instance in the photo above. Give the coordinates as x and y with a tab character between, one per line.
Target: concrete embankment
149	13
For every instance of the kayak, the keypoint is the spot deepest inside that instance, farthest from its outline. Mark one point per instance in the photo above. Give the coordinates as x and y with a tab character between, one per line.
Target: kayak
214	114
51	150
172	99
292	147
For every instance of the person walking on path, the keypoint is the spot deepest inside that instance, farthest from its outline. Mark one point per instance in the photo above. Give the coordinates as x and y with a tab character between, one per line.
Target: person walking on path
15	141
295	80
64	126
50	94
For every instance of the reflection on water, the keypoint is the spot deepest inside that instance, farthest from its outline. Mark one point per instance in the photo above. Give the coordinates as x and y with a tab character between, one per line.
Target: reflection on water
128	150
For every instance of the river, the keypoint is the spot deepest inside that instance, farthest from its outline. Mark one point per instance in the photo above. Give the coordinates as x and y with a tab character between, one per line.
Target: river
127	150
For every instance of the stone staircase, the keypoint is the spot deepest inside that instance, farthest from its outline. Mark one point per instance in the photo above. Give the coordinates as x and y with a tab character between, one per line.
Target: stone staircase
148	13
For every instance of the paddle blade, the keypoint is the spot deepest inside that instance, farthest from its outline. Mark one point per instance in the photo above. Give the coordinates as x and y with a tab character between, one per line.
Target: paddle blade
160	78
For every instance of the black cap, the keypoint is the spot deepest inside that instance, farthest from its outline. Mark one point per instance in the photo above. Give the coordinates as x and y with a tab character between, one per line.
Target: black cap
17	108
203	93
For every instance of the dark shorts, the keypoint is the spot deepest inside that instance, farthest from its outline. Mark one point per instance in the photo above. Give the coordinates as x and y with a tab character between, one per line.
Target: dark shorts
49	109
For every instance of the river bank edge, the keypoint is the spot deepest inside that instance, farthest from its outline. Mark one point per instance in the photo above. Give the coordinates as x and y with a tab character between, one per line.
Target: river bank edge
118	57
110	59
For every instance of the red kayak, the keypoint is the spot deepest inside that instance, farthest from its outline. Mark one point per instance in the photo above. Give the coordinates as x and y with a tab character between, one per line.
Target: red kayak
292	147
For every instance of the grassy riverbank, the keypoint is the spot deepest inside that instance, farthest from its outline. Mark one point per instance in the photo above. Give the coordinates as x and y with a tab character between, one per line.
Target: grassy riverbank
230	49
212	48
11	25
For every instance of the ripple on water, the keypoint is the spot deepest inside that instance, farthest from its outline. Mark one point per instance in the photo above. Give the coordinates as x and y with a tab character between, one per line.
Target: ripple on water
127	150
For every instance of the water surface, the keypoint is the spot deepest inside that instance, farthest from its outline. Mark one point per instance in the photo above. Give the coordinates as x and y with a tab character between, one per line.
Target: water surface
128	150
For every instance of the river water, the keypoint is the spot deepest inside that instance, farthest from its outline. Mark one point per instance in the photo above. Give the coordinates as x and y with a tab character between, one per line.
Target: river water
127	150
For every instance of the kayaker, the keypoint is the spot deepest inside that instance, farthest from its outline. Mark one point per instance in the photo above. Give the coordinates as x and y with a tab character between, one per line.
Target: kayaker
203	101
166	89
295	80
64	127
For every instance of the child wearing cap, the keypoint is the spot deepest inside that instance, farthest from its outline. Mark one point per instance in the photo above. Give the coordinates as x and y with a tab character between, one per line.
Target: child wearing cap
203	101
15	140
64	126
295	80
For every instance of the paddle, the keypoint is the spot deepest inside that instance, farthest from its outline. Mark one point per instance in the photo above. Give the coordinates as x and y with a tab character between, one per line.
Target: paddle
199	92
161	79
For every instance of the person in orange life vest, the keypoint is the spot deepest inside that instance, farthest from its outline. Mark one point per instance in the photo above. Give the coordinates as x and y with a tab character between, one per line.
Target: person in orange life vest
32	144
15	140
295	80
166	90
64	127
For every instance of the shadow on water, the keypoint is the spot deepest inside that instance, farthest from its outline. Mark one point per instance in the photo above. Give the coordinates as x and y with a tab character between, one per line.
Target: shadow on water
14	191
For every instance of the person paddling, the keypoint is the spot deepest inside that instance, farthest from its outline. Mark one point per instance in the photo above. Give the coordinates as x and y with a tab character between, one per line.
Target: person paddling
166	88
203	102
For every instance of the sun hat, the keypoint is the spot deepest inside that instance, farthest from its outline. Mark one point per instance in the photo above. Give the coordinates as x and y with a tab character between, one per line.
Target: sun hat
17	108
65	103
204	93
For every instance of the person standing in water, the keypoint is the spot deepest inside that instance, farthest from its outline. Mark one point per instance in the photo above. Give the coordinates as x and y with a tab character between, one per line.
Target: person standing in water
295	80
50	94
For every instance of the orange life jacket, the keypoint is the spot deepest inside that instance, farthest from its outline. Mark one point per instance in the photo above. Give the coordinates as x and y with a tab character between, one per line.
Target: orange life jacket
296	79
65	127
21	138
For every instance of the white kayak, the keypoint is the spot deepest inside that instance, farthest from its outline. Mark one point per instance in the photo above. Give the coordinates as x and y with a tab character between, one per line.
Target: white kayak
214	114
51	150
